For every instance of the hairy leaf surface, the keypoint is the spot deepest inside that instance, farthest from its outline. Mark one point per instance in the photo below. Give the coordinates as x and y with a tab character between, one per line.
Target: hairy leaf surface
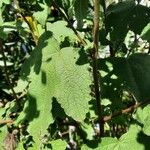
58	78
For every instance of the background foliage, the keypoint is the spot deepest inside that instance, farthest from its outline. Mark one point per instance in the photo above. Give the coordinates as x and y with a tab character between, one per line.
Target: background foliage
47	91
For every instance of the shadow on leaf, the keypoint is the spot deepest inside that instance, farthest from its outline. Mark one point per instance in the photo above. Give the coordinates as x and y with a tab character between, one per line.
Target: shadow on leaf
57	110
35	60
83	58
31	111
144	139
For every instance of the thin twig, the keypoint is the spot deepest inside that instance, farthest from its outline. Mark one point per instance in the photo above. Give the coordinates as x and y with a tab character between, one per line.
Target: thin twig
6	121
69	23
6	72
16	3
125	111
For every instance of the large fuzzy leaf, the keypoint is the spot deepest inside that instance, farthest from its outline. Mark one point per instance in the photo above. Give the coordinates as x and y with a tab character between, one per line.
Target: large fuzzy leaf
59	78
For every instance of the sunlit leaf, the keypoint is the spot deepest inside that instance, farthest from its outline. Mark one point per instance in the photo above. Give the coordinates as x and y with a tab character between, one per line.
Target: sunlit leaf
58	144
57	77
60	31
41	16
125	16
143	116
132	140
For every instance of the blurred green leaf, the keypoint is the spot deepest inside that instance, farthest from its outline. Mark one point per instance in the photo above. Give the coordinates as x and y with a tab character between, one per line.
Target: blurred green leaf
1	19
130	74
3	134
21	86
41	16
145	35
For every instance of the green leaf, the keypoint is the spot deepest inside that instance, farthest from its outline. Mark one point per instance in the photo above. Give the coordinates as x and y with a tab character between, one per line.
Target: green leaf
1	3
81	11
6	1
58	144
3	133
60	31
21	86
145	35
41	16
1	19
57	76
132	140
125	16
88	129
129	74
143	116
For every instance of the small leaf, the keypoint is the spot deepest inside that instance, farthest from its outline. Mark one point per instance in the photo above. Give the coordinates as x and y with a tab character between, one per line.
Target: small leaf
7	63
145	35
80	8
1	19
143	116
41	16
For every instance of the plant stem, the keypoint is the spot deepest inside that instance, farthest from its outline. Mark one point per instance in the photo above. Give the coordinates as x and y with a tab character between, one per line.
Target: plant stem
6	72
16	3
94	55
6	121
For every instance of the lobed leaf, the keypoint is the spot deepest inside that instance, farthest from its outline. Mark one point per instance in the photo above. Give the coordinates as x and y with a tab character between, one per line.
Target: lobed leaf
132	140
